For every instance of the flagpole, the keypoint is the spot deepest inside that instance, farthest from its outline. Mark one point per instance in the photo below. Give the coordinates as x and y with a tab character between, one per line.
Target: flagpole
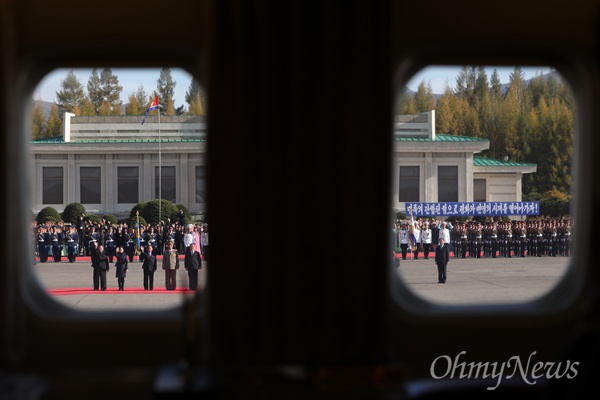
159	172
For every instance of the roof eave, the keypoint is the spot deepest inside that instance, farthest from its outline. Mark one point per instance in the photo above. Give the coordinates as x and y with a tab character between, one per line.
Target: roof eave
525	169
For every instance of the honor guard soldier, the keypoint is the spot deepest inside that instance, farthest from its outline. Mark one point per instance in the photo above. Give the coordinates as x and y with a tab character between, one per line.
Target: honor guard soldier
425	239
130	244
58	241
41	240
523	239
486	237
110	244
494	240
72	244
159	240
554	239
93	240
151	239
564	238
81	232
463	240
509	241
403	239
478	241
539	239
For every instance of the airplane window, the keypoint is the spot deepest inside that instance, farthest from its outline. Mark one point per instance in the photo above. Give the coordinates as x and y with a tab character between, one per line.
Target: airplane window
118	187
482	161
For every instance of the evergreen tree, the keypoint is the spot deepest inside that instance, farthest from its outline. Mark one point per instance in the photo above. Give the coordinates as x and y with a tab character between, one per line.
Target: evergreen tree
166	90
137	102
465	83
111	92
196	106
483	104
444	113
406	104
86	108
71	94
424	98
516	88
196	99
495	87
95	92
38	123
54	122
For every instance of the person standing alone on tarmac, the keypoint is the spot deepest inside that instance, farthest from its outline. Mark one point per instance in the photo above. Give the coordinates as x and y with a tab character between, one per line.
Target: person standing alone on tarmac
193	263
100	266
149	266
442	256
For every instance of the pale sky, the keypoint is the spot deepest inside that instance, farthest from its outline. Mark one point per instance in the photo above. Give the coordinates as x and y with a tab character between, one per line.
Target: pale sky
129	78
439	75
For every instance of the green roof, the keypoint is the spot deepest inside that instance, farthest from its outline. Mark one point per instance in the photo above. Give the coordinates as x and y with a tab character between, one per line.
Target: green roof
490	162
56	140
439	138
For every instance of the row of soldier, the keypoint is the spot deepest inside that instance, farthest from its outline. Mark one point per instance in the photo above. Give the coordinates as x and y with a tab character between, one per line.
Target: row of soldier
548	237
79	240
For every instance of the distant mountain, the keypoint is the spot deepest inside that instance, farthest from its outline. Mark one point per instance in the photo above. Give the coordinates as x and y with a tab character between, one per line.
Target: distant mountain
504	86
46	105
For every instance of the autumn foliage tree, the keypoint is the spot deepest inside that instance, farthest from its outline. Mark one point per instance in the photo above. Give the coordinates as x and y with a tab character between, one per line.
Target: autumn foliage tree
524	120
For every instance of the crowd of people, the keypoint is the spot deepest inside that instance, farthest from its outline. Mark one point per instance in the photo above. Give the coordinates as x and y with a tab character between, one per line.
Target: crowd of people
489	238
107	243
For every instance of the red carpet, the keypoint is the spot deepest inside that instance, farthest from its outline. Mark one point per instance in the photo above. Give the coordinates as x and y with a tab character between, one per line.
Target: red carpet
88	258
115	290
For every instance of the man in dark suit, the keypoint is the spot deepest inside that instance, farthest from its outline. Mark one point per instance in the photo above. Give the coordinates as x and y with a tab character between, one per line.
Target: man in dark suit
193	263
149	266
100	265
442	256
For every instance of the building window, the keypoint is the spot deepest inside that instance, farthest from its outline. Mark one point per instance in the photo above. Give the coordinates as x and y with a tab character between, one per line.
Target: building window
52	185
479	190
448	183
200	184
168	184
409	183
128	184
90	185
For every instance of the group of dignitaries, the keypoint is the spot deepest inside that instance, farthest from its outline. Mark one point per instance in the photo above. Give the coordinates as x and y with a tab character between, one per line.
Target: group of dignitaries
106	243
490	238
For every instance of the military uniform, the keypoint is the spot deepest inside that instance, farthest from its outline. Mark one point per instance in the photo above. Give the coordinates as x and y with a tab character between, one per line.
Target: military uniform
72	245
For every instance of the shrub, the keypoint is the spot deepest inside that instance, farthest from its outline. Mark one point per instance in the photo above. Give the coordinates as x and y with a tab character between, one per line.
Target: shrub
47	214
72	211
138	207
151	211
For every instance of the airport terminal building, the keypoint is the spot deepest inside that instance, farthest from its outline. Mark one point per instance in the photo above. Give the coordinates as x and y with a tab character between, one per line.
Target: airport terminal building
431	167
109	164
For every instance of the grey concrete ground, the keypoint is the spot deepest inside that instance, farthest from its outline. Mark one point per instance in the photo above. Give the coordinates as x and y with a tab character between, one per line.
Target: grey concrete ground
484	280
470	281
79	275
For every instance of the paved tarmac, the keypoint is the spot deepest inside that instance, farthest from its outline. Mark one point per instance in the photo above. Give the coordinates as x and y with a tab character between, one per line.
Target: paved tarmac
78	277
470	281
484	280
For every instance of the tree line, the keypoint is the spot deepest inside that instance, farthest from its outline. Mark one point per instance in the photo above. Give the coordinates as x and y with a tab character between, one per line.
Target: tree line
102	97
525	121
